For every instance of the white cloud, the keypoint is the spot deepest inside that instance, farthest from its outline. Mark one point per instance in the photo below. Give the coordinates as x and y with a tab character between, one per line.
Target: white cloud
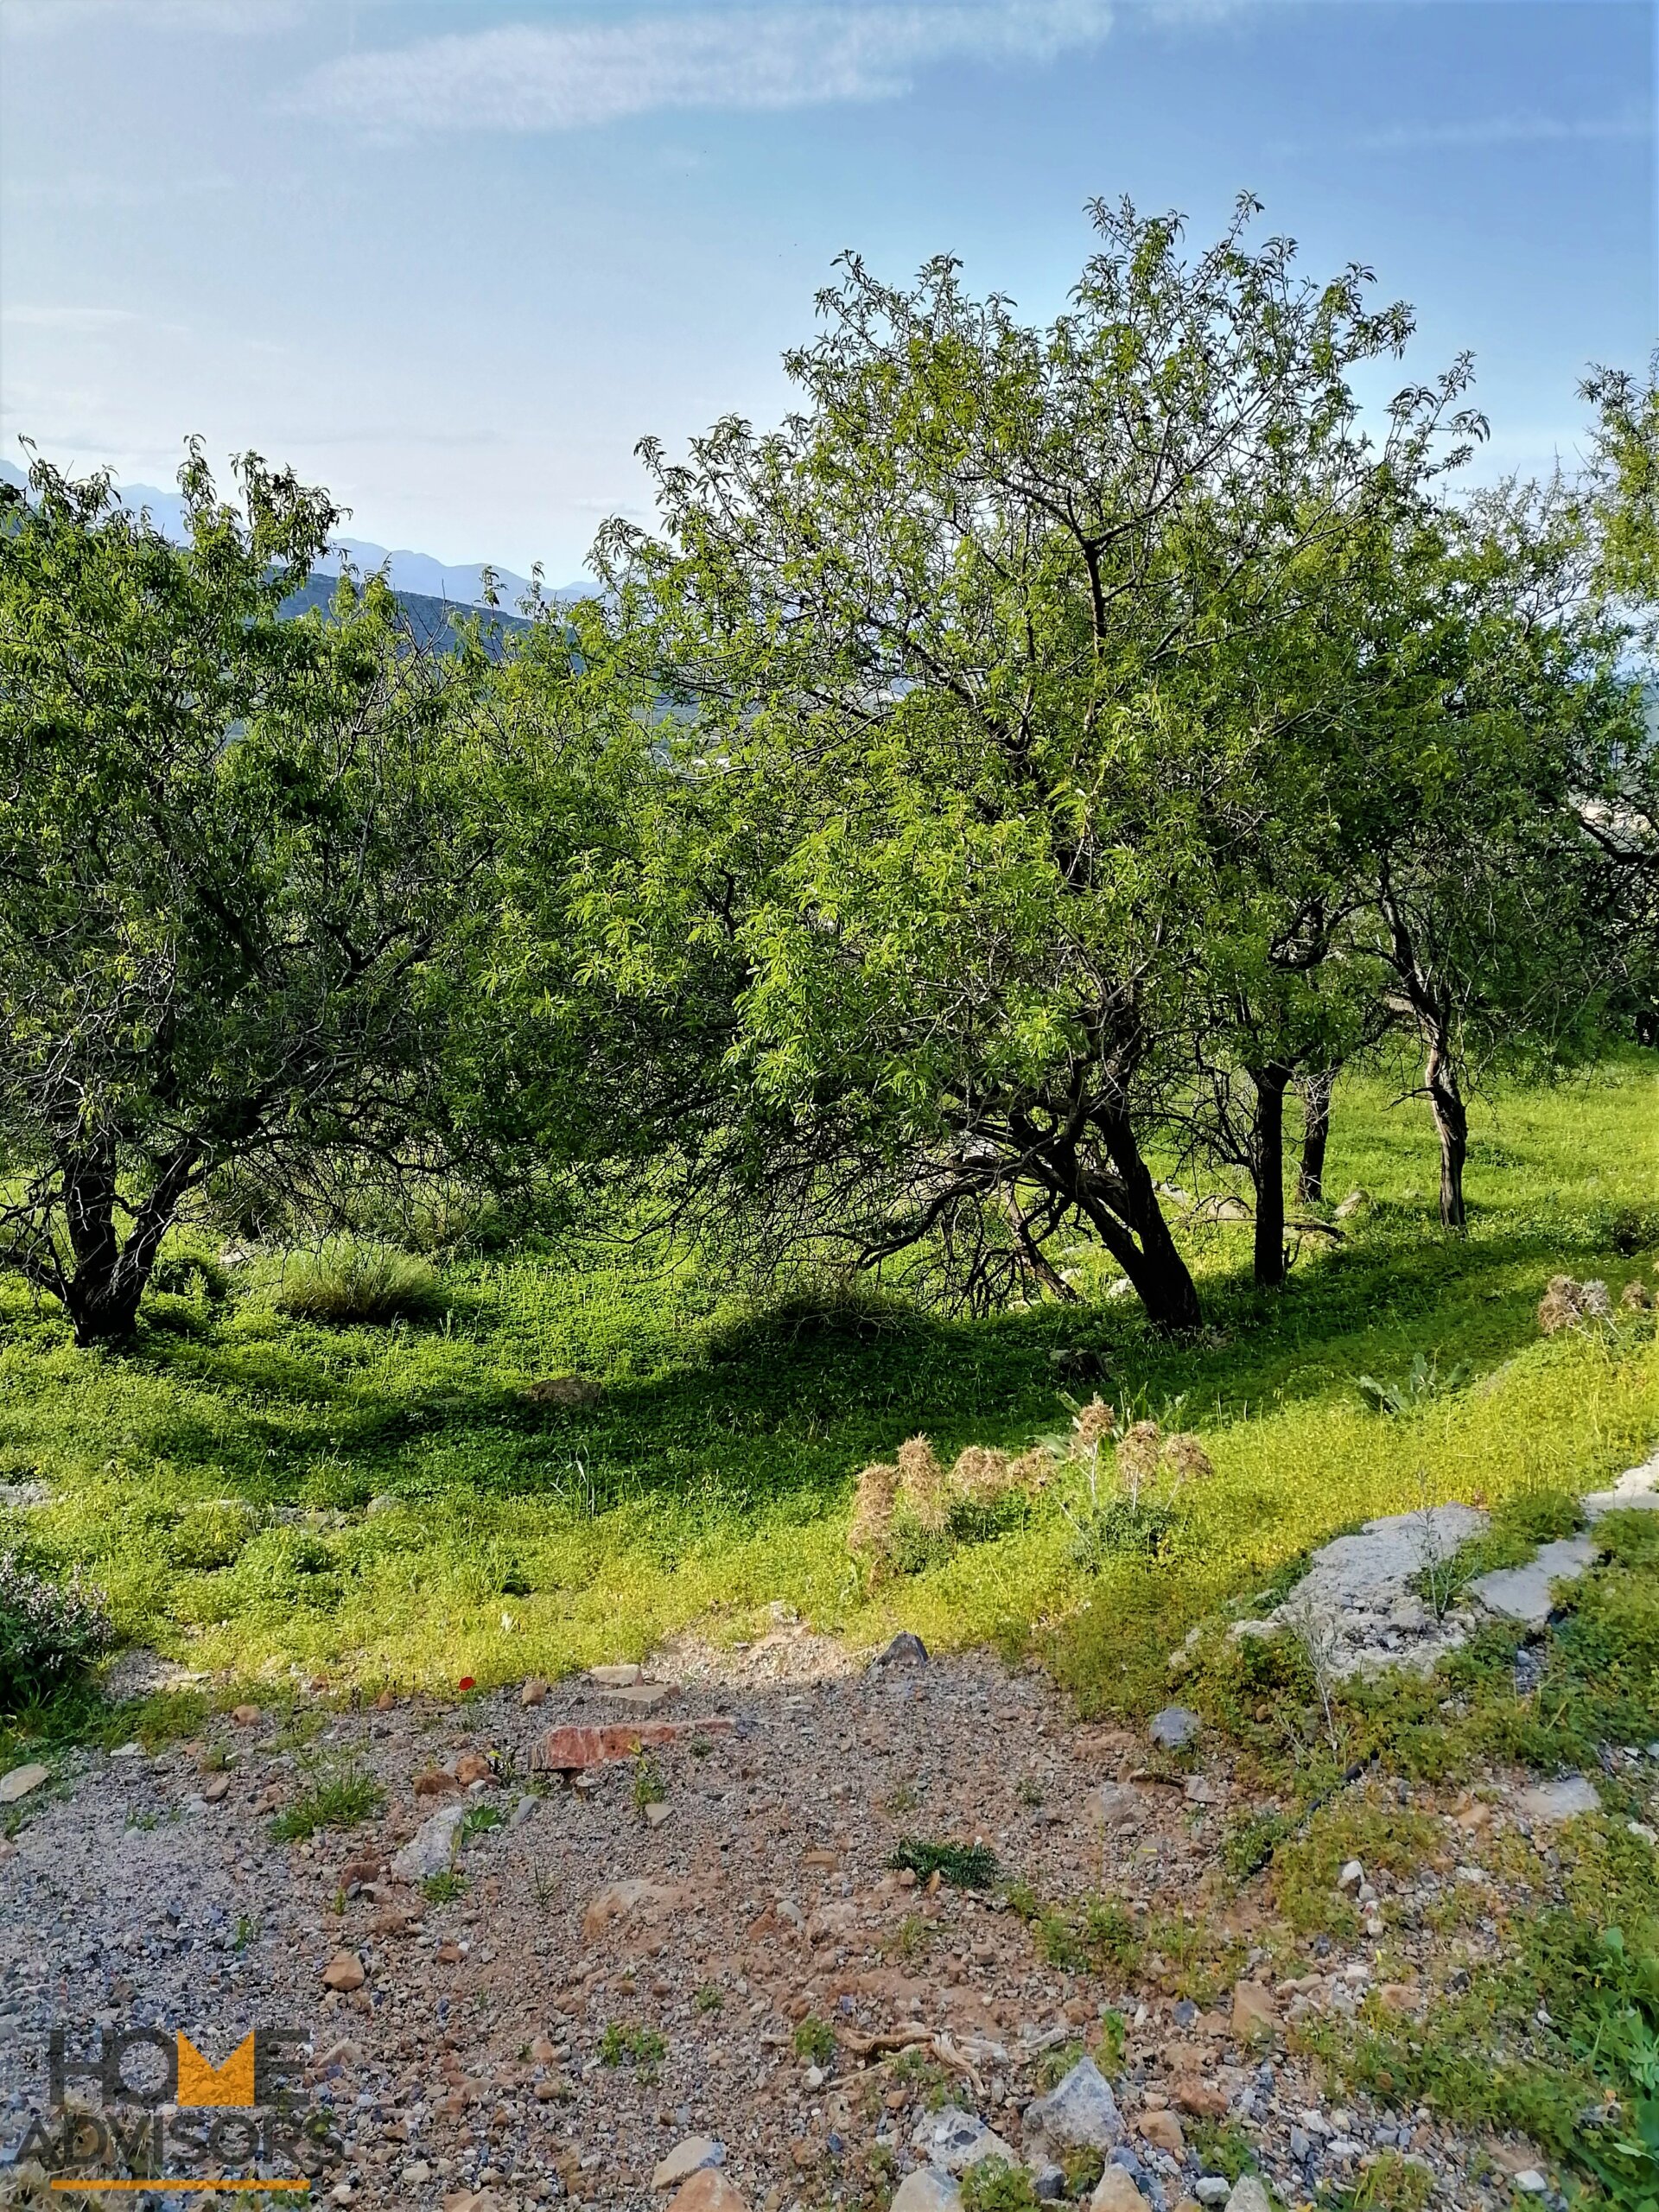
227	18
562	77
84	320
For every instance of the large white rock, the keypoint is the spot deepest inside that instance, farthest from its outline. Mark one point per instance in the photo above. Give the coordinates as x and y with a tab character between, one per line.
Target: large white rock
1522	1593
1250	2194
1636	1491
432	1846
1558	1801
1080	2114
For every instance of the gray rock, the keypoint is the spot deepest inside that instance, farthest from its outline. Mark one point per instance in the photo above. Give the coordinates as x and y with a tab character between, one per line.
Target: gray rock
21	1780
432	1846
1636	1491
1522	1593
954	2140
1558	1801
904	1649
1174	1728
926	2191
1250	2194
1117	1805
1080	2114
1355	1202
1048	2184
1212	2188
1357	1596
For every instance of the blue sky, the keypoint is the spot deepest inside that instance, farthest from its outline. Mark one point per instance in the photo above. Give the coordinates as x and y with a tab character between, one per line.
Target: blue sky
454	260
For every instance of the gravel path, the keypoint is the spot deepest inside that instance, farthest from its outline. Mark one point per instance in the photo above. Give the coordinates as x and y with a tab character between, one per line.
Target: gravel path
613	1975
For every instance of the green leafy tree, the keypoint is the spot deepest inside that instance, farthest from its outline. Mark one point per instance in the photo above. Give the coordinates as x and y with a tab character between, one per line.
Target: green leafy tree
244	875
951	661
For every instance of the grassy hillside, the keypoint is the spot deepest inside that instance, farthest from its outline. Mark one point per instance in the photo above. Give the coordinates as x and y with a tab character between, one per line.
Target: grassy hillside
217	1477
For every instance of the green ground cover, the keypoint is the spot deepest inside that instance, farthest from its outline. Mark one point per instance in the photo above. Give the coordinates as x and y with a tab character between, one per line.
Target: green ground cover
216	1476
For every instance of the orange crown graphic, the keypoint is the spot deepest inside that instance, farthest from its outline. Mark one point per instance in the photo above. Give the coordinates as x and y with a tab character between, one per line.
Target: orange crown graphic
203	2083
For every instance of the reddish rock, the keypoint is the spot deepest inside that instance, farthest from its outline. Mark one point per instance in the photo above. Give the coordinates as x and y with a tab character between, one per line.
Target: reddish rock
435	1782
534	1692
574	1748
245	1716
473	1767
708	2191
1200	2098
344	1972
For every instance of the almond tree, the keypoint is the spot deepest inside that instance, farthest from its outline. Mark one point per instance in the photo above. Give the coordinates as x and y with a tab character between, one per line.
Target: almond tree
950	659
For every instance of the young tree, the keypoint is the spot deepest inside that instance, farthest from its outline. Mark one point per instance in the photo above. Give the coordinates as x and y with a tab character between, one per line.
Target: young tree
950	655
243	874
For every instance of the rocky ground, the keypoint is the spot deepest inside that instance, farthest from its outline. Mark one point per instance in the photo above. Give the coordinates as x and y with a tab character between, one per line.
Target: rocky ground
712	1941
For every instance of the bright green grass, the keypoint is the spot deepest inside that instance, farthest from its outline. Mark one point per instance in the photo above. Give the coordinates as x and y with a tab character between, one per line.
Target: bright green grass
715	1475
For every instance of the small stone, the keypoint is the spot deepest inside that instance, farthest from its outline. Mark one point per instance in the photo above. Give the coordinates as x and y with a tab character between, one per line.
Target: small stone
708	2191
622	1676
470	1767
926	2191
1253	2011
134	1750
1164	2131
905	1650
1080	2114
1531	2182
1558	1801
215	1789
344	1972
21	1780
1174	1728
1200	1791
1048	2184
1355	1202
1351	1877
245	1716
1212	2188
433	1782
1398	1997
431	1847
643	1696
1115	2192
574	1747
686	2158
657	1814
1301	2144
534	1692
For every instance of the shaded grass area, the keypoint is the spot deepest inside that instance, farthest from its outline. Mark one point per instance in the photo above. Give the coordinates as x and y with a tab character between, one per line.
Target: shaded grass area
217	1477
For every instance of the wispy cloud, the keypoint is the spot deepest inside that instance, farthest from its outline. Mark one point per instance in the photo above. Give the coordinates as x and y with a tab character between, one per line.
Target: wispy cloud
225	18
563	77
24	316
1501	131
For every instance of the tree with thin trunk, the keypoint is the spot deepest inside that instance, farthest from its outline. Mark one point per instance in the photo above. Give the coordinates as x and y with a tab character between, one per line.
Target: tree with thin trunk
1317	1087
242	873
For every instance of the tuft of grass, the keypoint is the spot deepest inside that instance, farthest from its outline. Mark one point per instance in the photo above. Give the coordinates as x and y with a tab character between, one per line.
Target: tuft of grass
995	2185
347	1281
1421	1384
711	1998
623	2045
340	1799
815	2040
964	1865
443	1887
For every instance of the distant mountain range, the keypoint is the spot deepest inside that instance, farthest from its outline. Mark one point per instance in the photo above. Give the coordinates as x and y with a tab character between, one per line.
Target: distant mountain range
410	574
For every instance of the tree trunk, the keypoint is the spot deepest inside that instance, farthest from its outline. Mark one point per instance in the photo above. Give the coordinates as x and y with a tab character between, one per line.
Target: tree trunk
103	1295
1267	1173
1316	1134
1148	1256
1451	1126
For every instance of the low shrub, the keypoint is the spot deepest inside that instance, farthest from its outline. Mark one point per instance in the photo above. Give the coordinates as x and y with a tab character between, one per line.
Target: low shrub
344	1281
49	1631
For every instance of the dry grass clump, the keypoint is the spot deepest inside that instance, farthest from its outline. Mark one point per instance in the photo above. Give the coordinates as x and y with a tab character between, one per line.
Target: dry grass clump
917	1497
1569	1305
923	1488
871	1532
1635	1298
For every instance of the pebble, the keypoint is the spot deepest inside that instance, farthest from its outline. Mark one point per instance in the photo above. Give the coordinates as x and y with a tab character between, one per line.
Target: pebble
926	2191
1212	2188
21	1781
1080	2114
708	2191
344	1972
905	1650
1115	2192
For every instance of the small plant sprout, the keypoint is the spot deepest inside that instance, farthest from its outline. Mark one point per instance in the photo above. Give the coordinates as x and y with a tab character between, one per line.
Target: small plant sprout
814	2041
544	1887
648	1787
1316	1632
